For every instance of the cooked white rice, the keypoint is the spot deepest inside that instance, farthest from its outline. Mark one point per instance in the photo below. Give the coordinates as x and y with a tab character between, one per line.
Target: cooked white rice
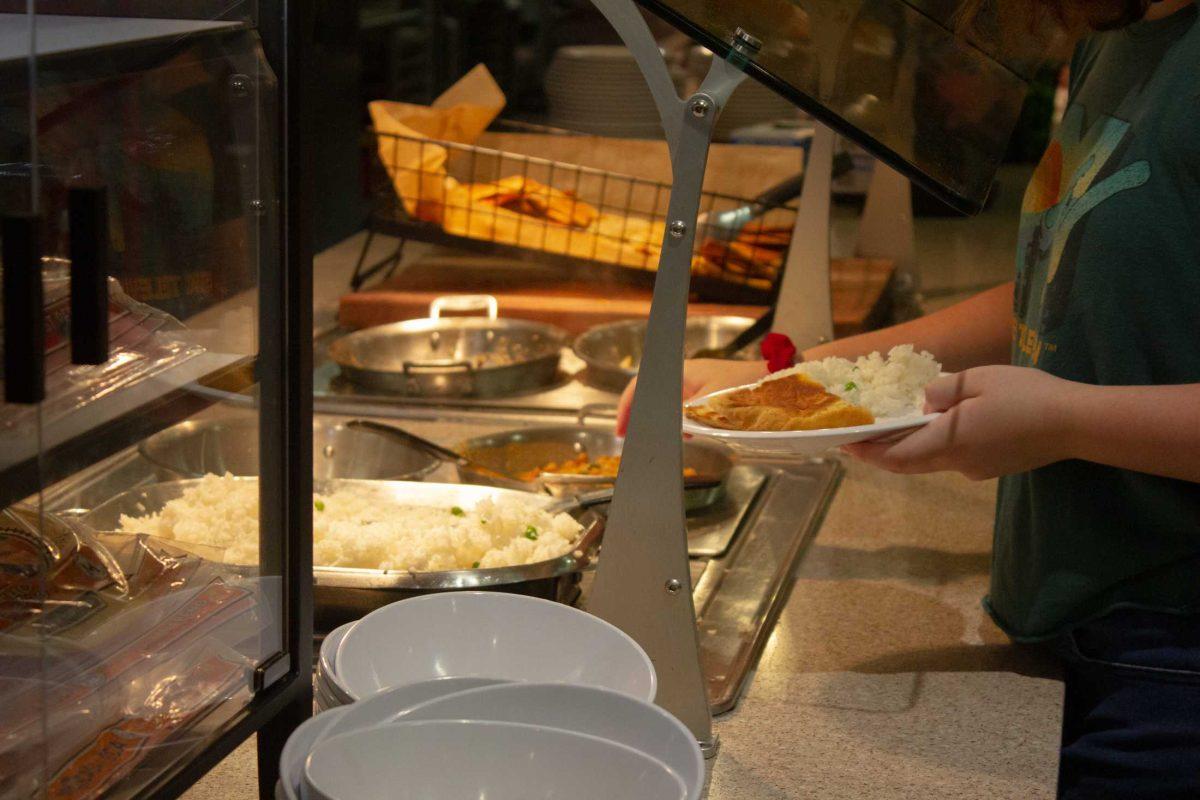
353	528
887	387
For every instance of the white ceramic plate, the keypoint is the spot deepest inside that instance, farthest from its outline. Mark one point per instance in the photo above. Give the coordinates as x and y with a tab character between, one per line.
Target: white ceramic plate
508	637
582	709
799	444
296	750
496	760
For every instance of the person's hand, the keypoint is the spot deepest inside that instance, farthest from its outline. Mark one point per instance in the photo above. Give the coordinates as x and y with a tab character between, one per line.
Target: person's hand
700	377
996	421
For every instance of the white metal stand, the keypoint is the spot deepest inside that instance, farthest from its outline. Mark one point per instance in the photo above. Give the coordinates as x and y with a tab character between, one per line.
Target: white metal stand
643	582
804	311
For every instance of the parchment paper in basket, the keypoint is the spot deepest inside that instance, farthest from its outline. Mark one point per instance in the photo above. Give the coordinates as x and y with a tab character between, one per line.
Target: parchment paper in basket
417	167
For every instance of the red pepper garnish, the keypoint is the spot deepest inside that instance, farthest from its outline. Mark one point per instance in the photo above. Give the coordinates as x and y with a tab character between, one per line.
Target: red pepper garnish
779	351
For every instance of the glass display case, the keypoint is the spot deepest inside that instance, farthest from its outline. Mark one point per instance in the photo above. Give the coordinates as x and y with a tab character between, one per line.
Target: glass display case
155	282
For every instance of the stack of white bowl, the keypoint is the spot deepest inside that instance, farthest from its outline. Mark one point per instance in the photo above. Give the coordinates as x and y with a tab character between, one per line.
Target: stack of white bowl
480	694
328	692
599	89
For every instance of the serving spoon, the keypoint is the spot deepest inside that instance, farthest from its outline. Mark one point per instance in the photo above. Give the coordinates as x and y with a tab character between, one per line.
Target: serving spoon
509	481
442	453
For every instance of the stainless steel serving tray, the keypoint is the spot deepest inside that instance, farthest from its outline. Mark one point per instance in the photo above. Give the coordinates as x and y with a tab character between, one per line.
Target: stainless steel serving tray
196	448
393	583
516	451
613	351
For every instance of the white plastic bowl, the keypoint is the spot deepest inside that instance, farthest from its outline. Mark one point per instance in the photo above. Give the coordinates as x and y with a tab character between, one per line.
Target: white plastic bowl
440	760
388	705
582	709
296	750
489	635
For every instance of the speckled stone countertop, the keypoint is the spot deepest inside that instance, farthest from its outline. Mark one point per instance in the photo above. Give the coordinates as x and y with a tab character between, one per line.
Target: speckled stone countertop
884	678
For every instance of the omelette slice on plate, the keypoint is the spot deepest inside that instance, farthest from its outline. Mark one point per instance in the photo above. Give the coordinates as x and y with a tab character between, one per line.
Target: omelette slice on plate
794	402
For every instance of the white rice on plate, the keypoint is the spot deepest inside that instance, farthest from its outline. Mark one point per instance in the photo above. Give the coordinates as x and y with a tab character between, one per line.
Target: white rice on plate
889	388
352	528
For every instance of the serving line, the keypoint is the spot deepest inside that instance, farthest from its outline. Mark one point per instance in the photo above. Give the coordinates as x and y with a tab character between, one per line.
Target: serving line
743	548
883	677
744	551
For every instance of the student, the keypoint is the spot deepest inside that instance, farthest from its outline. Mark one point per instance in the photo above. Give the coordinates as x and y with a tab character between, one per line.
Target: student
1079	385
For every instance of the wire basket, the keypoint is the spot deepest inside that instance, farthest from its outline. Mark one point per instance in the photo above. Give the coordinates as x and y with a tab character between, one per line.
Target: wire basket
585	220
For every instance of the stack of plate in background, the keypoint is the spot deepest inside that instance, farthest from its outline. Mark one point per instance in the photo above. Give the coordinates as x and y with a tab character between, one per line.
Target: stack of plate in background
599	89
472	694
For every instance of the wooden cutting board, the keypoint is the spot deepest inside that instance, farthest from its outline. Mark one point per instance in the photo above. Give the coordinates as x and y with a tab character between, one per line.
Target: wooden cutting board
530	291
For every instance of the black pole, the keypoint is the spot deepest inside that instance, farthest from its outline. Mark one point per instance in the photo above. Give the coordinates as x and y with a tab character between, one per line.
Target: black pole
285	374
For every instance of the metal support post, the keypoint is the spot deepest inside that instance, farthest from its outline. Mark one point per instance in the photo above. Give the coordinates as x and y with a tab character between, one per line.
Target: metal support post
804	311
643	582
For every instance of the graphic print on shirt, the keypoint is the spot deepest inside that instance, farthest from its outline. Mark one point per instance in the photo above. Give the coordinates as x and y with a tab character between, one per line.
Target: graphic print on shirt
1077	173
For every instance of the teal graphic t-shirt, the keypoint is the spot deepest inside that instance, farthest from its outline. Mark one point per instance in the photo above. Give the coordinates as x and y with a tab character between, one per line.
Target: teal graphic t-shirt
1108	293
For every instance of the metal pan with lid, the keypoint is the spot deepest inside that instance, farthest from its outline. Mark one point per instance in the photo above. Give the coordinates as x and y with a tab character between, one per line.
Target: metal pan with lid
453	356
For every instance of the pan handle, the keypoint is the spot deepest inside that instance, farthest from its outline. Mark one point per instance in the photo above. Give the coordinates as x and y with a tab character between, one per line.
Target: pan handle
605	411
463	303
585	549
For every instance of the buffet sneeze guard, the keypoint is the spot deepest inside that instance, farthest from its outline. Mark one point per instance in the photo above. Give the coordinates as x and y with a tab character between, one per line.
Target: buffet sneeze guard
898	79
155	271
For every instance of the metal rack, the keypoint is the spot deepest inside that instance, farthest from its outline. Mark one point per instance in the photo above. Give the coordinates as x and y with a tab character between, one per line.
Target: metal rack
628	218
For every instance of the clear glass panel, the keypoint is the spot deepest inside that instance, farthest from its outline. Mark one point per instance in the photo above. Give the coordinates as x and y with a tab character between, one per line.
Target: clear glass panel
891	74
27	557
154	616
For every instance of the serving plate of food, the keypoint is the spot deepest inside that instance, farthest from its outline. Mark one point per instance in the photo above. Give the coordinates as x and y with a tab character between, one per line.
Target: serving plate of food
818	405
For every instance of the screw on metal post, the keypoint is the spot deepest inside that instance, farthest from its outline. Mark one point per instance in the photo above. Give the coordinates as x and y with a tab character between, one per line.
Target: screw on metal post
677	228
700	106
239	85
673	586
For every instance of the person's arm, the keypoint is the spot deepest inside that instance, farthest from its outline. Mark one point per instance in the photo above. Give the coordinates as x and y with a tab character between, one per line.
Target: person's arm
1002	420
973	333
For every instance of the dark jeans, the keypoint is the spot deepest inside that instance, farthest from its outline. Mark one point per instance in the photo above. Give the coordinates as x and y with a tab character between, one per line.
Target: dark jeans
1131	718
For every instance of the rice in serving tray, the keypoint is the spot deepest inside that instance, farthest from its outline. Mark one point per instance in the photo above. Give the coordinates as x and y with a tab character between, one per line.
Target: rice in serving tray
887	387
357	528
